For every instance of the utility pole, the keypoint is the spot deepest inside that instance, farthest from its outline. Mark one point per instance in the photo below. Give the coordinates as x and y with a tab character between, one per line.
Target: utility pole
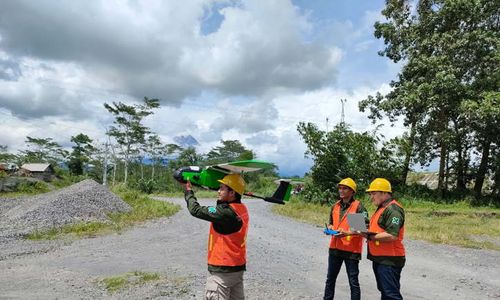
342	116
326	124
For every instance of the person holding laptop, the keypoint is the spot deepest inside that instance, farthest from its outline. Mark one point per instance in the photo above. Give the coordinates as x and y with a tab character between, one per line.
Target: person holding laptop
344	247
385	239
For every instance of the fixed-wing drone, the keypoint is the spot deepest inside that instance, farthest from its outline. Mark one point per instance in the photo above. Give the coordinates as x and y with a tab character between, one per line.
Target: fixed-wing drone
207	177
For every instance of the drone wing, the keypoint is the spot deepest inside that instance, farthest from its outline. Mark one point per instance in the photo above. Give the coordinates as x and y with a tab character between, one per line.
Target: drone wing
243	166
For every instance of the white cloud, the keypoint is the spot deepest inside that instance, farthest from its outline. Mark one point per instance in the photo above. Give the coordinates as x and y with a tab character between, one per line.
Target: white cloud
267	66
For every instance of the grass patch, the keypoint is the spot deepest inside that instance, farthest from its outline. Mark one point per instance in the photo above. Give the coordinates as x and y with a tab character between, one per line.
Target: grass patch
453	224
79	230
116	283
306	212
27	188
143	208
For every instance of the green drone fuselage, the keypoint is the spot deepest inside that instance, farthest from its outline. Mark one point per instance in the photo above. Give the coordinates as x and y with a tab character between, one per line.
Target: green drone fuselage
203	177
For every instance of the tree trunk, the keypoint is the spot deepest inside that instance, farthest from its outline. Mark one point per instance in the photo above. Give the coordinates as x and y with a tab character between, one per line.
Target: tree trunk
442	167
114	172
125	171
408	155
447	171
481	172
460	165
495	193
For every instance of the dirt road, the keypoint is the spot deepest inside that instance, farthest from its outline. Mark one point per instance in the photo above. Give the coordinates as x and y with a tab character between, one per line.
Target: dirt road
286	260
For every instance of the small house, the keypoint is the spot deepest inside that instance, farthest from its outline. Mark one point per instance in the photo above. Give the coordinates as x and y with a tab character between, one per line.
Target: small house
43	171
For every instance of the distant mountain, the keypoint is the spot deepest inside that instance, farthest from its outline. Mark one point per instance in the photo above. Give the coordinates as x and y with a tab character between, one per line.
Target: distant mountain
185	141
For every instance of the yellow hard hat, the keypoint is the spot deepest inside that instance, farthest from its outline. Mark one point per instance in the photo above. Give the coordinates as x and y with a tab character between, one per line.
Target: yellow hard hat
380	185
349	182
235	182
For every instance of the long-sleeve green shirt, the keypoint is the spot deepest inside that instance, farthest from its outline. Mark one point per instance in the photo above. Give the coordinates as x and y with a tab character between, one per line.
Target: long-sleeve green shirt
224	220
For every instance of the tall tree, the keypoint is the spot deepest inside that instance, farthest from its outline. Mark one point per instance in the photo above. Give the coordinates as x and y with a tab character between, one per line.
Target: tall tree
484	118
158	152
449	49
81	154
129	131
43	150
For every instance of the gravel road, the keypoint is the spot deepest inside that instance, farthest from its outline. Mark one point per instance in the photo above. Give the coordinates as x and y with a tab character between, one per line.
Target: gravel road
286	260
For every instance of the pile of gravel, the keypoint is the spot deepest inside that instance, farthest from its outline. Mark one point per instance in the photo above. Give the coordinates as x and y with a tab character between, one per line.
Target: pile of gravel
81	202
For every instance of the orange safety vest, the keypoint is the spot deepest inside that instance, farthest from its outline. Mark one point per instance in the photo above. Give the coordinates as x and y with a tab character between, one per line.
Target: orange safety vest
392	248
351	243
229	249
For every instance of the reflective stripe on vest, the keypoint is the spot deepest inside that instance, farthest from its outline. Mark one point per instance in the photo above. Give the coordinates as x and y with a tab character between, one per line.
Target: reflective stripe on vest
392	248
229	249
351	243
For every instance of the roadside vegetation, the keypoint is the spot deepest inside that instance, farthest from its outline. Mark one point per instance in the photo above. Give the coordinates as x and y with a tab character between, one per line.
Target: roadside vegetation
27	188
171	287
128	280
458	223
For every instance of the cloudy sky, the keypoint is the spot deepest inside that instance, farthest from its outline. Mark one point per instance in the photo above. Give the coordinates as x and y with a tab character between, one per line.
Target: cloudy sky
249	70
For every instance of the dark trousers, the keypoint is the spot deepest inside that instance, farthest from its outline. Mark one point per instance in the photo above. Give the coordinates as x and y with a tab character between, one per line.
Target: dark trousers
388	281
352	268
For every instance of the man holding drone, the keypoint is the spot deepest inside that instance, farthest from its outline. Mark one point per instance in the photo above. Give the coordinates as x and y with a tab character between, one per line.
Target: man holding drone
227	237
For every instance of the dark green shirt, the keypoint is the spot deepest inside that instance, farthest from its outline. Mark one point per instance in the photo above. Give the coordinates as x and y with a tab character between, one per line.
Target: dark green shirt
391	220
223	218
343	209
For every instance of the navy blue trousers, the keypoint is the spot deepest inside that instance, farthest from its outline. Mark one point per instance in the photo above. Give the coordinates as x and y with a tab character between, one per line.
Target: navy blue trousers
352	268
388	281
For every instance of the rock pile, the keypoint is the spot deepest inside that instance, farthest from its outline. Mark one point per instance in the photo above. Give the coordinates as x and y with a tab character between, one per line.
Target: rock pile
81	202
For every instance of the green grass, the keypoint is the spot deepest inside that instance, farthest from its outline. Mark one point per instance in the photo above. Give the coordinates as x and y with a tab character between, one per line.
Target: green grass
27	189
305	212
143	208
119	282
453	224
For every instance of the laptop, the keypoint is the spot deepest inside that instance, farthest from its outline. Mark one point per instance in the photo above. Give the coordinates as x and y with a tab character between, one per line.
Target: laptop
357	223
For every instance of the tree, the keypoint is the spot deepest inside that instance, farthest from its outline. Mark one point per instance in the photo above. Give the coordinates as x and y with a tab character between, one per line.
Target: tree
231	150
43	150
342	153
81	153
187	157
5	156
158	152
129	131
450	53
484	118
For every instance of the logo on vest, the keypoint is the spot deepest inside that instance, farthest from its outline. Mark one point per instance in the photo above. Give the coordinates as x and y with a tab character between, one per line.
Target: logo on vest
395	220
212	210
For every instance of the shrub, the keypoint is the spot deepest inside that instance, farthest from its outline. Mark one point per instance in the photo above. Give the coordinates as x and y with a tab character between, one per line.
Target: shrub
32	187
